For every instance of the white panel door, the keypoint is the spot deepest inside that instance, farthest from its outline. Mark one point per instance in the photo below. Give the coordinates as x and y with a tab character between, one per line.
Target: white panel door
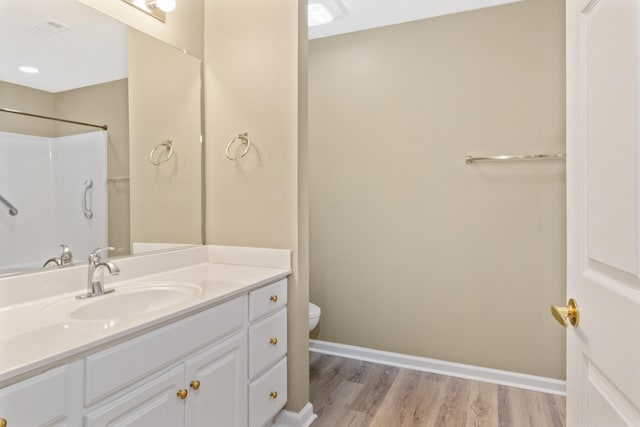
603	119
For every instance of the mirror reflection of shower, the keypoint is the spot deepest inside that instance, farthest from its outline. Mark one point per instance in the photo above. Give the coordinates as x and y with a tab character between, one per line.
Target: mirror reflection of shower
46	177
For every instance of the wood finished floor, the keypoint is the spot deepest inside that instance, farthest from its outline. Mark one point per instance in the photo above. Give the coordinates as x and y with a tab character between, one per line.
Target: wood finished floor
346	392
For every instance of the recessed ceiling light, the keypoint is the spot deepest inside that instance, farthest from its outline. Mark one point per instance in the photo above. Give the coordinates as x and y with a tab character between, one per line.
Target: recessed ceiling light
319	15
28	69
322	12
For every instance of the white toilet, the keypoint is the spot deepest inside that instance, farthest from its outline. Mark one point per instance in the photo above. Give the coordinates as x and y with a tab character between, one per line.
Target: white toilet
314	316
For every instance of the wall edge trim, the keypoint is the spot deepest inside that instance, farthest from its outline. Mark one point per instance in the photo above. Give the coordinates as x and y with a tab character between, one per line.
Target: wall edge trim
304	418
459	370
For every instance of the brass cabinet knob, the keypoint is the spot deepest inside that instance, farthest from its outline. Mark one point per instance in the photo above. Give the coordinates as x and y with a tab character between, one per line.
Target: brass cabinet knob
274	394
564	313
3	422
182	393
274	298
273	341
195	384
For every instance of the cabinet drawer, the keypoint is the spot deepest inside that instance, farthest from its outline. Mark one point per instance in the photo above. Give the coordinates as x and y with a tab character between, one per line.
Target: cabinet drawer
267	342
267	299
268	394
38	401
109	371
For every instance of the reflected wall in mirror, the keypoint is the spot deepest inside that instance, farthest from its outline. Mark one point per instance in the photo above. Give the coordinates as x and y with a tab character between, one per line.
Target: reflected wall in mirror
78	185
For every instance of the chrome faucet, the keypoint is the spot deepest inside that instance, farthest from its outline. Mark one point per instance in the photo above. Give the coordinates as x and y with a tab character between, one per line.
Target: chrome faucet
66	258
95	276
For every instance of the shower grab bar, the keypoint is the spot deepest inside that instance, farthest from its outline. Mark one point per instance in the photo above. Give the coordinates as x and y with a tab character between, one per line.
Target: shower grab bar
22	113
511	157
88	213
12	209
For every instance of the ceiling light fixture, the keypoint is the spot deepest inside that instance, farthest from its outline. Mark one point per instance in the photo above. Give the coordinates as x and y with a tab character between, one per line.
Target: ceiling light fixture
319	15
155	8
166	5
321	12
28	69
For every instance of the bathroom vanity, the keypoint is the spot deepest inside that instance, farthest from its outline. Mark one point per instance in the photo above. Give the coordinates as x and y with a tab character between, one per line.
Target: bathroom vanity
194	337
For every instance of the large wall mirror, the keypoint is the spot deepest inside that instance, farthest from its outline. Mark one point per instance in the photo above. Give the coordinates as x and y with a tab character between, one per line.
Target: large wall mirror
132	186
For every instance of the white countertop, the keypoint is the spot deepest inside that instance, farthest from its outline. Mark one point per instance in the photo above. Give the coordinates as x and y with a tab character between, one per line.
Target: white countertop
31	341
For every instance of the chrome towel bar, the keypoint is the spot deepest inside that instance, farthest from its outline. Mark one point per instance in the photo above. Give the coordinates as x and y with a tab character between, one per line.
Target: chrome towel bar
513	157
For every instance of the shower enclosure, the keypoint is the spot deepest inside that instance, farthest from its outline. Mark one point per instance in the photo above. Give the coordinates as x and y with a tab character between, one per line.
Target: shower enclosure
58	188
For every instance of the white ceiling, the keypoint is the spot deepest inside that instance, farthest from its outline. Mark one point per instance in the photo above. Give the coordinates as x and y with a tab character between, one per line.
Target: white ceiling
93	50
366	14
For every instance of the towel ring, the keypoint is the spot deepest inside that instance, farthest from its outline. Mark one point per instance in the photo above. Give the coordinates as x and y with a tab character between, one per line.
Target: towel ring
244	138
168	145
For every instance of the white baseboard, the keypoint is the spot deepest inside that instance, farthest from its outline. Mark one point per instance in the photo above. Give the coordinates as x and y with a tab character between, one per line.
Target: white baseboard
495	376
304	418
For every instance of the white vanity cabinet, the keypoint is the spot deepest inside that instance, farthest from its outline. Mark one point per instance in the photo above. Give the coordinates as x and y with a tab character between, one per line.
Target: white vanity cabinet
267	352
223	366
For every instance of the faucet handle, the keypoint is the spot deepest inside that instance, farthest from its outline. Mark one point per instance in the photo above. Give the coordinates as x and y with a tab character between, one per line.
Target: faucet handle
66	257
94	255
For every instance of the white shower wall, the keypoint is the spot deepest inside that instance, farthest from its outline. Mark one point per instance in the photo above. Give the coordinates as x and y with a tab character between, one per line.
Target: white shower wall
44	179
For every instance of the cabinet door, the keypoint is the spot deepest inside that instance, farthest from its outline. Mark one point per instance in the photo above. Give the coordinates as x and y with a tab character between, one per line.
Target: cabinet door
221	396
154	404
46	392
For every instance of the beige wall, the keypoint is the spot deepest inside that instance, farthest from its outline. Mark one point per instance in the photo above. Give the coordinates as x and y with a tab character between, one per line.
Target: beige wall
182	29
105	103
28	100
413	251
164	104
253	84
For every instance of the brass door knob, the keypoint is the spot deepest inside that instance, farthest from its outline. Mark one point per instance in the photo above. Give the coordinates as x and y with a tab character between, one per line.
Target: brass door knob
195	384
182	393
274	298
3	422
274	394
570	312
273	341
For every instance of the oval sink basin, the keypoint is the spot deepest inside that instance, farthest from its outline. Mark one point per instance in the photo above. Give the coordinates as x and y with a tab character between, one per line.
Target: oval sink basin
126	301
